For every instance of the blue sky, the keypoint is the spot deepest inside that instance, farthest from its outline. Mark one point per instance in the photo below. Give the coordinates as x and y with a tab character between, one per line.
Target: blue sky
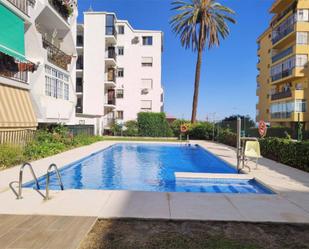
228	80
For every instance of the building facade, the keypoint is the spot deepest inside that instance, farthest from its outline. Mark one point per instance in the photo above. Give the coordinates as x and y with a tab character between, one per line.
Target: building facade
16	109
282	82
118	71
43	32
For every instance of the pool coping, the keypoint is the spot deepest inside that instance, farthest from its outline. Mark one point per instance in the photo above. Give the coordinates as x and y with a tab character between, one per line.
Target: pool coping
290	204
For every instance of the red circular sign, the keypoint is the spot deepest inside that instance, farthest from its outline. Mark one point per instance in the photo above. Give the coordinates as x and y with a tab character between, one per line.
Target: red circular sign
262	128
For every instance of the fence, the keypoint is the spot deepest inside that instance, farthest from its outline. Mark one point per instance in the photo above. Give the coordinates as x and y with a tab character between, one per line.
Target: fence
81	129
18	137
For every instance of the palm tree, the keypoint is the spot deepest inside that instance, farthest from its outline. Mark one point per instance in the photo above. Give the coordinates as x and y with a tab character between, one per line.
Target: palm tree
200	23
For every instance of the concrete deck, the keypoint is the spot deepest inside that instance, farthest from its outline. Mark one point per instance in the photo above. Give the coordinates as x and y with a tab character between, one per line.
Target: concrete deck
48	232
290	204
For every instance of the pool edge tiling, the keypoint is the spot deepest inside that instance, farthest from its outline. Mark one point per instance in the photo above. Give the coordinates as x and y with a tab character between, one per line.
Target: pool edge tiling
150	167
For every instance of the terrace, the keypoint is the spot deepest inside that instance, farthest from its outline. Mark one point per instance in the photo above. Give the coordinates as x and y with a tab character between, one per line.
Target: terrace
23	5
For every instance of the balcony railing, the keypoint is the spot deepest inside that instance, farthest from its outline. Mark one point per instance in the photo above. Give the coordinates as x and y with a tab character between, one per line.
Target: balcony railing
111	54
110	30
56	56
281	115
281	34
22	5
63	10
281	95
283	54
282	75
111	101
15	69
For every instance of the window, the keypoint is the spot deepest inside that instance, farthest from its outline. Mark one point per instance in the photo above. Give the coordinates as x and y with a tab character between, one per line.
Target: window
146	61
119	93
66	91
79	104
80	62
146	105
119	115
79	85
147	40
301	60
120	29
120	50
299	86
80	40
302	15
120	72
146	83
302	38
110	25
56	83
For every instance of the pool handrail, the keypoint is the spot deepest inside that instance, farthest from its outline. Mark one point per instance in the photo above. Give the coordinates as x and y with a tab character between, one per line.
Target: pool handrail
53	165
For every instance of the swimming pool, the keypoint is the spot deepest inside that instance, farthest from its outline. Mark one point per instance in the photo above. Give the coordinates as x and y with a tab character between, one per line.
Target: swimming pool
148	167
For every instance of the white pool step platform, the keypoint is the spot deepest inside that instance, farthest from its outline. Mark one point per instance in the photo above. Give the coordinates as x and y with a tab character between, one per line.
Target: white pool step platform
212	176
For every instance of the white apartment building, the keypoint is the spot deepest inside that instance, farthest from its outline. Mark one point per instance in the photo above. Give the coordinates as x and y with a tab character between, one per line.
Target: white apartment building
37	36
50	42
118	71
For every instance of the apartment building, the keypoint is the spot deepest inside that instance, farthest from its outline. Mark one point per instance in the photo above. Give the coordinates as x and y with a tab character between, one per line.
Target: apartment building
282	82
16	109
118	71
45	35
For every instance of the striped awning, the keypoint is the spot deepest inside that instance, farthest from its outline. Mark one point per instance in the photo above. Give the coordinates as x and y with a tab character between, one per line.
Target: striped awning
15	108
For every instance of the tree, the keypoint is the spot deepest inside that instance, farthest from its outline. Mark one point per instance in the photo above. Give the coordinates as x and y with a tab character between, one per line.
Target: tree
231	122
200	23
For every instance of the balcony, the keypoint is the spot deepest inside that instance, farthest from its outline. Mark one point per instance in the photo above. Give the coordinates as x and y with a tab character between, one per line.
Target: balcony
281	55
14	69
279	35
56	56
110	57
62	8
22	5
281	95
282	75
281	115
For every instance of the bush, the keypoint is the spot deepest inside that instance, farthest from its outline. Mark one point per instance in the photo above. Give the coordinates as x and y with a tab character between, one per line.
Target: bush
153	125
175	126
295	154
201	130
227	137
280	132
131	128
10	155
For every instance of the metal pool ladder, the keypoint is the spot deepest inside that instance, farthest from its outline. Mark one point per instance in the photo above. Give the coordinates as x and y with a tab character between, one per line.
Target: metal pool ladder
20	181
49	170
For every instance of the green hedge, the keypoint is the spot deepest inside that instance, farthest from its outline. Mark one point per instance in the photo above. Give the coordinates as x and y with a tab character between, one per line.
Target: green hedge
280	132
201	130
153	125
295	154
286	151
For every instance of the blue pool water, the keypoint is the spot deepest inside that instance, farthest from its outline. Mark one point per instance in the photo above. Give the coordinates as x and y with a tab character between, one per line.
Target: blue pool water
150	167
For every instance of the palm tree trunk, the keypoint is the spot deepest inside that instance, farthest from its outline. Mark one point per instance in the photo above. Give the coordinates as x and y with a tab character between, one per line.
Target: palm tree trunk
197	75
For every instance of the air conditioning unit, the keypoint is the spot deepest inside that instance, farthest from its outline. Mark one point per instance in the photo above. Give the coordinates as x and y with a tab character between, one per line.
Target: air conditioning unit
135	40
145	91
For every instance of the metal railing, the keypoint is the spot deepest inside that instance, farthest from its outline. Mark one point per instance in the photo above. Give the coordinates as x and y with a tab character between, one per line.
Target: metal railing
61	9
283	54
57	56
111	54
280	35
17	137
49	170
282	75
281	95
23	5
110	30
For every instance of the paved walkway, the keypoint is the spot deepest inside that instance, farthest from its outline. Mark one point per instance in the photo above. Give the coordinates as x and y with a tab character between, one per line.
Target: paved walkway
38	232
290	204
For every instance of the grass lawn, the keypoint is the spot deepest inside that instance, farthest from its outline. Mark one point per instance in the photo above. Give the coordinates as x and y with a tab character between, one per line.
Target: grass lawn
159	234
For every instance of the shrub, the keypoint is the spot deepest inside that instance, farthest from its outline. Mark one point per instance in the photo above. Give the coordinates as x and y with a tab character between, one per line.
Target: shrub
295	154
280	132
227	137
131	128
84	139
175	126
10	155
153	125
201	130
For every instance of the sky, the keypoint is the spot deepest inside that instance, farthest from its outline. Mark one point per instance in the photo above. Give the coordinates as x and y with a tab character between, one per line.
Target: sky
228	75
